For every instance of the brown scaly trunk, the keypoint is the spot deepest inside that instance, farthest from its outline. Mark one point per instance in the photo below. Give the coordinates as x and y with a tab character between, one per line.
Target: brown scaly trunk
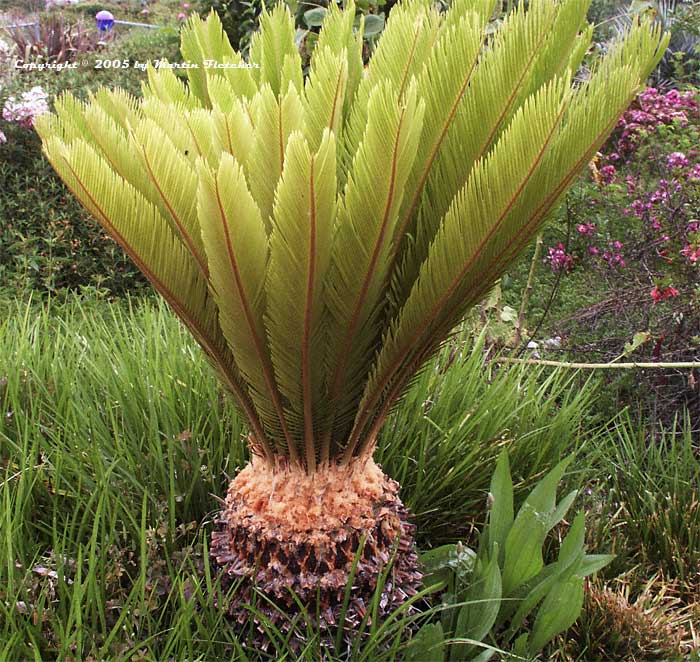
283	529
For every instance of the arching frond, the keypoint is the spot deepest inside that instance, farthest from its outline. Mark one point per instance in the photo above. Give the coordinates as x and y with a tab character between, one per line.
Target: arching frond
366	221
274	120
137	226
322	237
236	243
300	247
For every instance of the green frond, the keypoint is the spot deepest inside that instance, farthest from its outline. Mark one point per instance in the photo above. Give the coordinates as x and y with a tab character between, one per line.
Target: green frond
172	119
234	131
338	35
270	48
405	45
164	85
494	216
367	216
141	231
121	106
172	182
299	257
274	121
443	83
236	244
324	94
203	41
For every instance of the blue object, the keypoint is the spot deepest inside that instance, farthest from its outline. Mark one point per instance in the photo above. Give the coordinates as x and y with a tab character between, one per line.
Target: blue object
104	20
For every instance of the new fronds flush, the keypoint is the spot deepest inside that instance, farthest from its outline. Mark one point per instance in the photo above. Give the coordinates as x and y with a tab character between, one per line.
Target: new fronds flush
320	236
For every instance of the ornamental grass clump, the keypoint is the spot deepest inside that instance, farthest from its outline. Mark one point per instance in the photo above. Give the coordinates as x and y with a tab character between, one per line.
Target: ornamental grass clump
321	236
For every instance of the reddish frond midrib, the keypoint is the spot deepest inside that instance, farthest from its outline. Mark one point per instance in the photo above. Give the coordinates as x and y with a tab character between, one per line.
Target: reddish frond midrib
308	313
354	319
336	95
409	60
189	242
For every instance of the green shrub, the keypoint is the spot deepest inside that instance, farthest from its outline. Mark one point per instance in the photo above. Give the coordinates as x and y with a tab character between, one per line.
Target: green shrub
491	594
45	242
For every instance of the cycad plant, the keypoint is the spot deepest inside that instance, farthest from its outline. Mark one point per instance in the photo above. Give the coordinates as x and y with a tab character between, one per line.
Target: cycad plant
321	236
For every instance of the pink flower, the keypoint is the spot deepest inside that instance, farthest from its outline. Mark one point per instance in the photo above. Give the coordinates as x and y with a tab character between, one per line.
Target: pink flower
29	106
677	160
607	174
667	292
145	12
3	138
185	5
182	16
692	253
586	228
559	260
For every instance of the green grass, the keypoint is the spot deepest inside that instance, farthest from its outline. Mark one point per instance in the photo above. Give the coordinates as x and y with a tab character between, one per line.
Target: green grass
650	500
115	438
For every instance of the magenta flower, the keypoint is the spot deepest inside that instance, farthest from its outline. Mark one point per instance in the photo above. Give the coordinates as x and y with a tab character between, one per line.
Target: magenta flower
677	160
182	16
558	259
692	253
607	174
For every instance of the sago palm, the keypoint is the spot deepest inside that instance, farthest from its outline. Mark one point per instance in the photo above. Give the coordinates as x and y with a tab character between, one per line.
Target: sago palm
321	236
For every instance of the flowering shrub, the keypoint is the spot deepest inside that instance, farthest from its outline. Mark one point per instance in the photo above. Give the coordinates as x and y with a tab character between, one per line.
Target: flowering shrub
642	173
634	243
30	105
651	110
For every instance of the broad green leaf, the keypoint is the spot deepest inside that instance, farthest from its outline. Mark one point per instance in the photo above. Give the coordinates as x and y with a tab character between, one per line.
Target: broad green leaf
374	24
476	620
562	508
315	17
426	645
501	514
593	562
559	610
